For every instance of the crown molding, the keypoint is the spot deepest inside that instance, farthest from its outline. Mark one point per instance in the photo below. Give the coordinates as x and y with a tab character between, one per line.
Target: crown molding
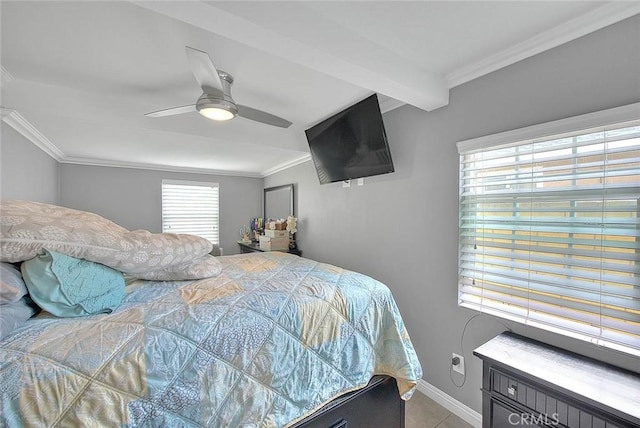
26	129
5	112
154	167
286	165
390	104
5	76
592	21
22	126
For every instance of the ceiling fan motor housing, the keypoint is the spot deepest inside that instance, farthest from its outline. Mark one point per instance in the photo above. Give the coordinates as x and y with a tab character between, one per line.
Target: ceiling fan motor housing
224	100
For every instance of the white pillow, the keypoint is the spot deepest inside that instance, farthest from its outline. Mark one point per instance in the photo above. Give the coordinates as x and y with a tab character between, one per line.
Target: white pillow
27	227
13	315
205	267
12	286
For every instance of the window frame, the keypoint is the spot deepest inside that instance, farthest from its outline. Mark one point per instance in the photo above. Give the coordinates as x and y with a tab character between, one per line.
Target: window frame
557	129
210	184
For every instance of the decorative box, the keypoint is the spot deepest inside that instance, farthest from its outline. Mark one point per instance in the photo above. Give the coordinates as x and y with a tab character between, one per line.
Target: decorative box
268	243
276	225
274	233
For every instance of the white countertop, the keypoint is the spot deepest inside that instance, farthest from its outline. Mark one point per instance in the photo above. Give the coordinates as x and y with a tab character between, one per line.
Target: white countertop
615	388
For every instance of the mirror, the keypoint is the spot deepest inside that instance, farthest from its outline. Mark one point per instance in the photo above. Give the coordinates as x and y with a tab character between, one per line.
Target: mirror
278	202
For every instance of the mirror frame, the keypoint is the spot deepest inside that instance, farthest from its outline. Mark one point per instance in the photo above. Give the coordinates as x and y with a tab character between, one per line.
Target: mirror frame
292	210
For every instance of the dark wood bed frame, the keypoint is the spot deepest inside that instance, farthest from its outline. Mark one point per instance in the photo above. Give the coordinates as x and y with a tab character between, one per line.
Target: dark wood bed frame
376	405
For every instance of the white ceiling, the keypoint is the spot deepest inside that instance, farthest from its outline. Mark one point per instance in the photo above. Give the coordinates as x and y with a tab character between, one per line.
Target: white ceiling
78	77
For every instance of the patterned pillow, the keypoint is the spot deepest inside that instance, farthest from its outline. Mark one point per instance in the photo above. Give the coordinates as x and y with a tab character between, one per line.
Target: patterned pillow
27	227
12	286
204	267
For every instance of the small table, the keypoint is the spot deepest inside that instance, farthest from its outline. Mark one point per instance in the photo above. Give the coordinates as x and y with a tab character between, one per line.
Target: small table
253	247
525	381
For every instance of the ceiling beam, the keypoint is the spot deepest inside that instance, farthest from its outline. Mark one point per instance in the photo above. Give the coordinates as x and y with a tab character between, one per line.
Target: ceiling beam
424	90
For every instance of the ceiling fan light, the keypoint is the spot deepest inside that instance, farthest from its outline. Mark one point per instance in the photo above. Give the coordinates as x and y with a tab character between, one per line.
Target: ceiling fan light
216	107
216	113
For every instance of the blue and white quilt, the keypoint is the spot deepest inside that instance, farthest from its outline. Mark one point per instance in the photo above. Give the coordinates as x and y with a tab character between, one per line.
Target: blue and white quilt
264	344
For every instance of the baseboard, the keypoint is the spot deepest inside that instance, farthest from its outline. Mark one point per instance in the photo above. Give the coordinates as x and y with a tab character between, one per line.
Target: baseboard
448	402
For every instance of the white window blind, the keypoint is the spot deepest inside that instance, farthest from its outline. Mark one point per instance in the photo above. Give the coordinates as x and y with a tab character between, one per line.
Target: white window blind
191	207
550	231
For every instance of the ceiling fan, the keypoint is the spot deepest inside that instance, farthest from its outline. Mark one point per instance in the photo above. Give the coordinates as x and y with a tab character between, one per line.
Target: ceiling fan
216	102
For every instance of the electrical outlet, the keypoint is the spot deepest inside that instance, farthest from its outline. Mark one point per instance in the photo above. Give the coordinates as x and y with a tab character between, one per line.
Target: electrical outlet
460	366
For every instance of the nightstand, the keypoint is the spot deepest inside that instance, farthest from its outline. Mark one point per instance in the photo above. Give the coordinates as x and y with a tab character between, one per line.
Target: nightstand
253	247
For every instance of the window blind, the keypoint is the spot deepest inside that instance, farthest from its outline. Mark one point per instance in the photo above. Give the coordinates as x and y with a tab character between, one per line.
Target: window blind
550	233
191	207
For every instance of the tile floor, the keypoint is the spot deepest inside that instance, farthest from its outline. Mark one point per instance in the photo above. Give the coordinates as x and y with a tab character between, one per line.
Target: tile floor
422	412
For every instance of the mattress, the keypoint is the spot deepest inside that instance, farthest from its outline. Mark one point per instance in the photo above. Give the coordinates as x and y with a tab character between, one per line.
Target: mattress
264	344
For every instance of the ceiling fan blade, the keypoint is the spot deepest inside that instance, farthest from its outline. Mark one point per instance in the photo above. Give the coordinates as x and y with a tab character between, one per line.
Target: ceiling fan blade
172	111
204	71
262	116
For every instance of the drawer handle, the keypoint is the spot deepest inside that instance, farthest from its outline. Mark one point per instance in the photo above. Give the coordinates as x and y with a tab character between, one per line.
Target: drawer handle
340	424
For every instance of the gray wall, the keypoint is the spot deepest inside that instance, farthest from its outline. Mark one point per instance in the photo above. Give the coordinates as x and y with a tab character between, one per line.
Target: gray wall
26	172
132	197
402	228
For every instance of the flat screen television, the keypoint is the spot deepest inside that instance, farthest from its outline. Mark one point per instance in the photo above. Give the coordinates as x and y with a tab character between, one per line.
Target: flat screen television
351	144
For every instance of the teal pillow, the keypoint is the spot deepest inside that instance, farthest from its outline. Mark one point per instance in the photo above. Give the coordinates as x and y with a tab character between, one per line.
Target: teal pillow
68	287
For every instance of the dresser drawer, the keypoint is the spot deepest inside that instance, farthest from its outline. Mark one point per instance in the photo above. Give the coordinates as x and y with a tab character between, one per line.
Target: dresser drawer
530	396
516	391
540	405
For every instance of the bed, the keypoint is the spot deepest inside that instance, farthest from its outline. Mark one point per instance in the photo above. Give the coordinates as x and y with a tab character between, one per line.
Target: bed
271	340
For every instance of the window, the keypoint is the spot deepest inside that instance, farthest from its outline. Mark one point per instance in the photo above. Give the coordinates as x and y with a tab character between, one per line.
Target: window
550	227
191	207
